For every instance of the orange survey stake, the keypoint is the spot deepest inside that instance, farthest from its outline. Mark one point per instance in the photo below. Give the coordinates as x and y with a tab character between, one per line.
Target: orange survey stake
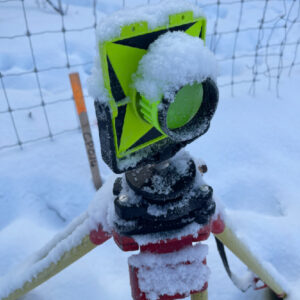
85	128
77	92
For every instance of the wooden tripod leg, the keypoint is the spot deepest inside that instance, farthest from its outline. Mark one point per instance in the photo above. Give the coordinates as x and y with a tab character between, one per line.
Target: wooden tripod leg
67	258
48	269
200	296
63	235
232	242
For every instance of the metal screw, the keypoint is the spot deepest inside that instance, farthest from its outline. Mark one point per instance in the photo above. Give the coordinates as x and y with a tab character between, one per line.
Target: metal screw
123	198
204	188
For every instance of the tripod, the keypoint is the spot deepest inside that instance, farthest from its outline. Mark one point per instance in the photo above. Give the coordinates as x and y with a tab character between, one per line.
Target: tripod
165	228
183	214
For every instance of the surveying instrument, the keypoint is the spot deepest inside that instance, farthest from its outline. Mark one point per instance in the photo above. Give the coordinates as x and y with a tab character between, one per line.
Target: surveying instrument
161	205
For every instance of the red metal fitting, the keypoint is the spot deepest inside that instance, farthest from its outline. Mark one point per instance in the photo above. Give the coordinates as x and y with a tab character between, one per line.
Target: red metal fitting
259	287
167	246
163	246
172	245
125	243
203	233
218	225
99	236
137	294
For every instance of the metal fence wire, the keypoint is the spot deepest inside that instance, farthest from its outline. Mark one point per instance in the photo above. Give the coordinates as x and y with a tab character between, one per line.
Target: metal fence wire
33	61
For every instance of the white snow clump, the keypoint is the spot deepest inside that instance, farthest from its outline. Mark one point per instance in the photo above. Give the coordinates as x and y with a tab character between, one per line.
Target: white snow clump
161	274
156	15
174	60
110	27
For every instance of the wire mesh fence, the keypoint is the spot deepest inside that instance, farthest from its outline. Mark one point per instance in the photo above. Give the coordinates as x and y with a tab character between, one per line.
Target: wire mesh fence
42	41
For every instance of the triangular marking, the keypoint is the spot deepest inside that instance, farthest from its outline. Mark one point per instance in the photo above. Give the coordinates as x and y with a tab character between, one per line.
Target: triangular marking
195	30
152	134
134	128
115	87
124	61
119	122
144	41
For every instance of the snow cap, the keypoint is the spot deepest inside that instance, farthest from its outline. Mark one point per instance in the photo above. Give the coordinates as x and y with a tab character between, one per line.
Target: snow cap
110	27
174	60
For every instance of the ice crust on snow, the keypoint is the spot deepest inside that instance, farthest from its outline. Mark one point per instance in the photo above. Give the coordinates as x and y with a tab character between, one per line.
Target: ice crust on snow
110	27
161	274
174	60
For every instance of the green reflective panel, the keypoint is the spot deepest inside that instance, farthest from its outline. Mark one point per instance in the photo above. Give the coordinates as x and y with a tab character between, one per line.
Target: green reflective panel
185	106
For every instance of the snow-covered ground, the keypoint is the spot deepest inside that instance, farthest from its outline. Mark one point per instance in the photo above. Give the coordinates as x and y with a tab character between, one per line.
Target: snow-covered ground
252	151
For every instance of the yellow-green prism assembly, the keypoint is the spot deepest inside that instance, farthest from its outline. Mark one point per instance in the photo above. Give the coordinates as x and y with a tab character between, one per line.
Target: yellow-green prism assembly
120	59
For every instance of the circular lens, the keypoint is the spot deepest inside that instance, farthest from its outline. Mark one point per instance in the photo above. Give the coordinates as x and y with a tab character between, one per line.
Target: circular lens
187	117
194	107
185	106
